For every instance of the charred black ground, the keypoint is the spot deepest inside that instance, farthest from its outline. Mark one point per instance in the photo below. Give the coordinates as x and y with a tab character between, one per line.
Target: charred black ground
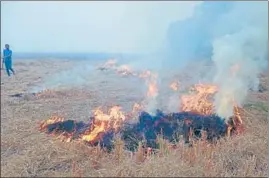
18	95
171	126
22	95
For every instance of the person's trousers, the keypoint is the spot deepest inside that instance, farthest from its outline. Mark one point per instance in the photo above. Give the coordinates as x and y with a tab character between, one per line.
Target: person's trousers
8	64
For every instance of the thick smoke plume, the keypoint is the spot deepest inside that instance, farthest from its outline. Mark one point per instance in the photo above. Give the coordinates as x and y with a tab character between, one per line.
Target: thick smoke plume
231	35
234	36
240	54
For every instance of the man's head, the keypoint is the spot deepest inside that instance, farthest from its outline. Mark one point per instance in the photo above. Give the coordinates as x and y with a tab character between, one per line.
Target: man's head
7	46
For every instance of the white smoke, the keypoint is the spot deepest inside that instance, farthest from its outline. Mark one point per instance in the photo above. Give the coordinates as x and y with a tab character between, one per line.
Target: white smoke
245	49
78	76
232	34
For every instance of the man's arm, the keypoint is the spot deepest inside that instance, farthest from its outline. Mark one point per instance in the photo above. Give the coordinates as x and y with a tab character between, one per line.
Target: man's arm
5	56
10	54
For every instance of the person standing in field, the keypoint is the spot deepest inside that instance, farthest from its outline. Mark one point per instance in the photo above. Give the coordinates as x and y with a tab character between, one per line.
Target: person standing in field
7	60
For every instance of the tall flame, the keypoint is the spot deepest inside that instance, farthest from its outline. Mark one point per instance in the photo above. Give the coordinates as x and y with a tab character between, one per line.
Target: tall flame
199	102
152	89
104	122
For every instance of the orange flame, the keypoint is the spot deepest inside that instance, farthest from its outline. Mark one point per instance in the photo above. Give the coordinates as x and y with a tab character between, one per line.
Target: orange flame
151	79
93	134
51	120
110	63
137	107
104	122
152	89
237	114
199	102
174	86
235	122
147	74
125	70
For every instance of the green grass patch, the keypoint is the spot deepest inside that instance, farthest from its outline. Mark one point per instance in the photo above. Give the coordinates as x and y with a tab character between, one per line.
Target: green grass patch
258	106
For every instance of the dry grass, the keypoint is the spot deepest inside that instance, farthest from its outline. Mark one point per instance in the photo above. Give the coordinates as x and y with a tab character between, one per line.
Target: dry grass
26	152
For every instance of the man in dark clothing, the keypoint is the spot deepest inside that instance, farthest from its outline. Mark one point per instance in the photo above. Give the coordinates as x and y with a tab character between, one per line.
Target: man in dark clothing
7	60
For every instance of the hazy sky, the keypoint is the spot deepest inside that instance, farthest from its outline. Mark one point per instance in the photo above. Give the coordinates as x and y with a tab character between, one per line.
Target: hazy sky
89	26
